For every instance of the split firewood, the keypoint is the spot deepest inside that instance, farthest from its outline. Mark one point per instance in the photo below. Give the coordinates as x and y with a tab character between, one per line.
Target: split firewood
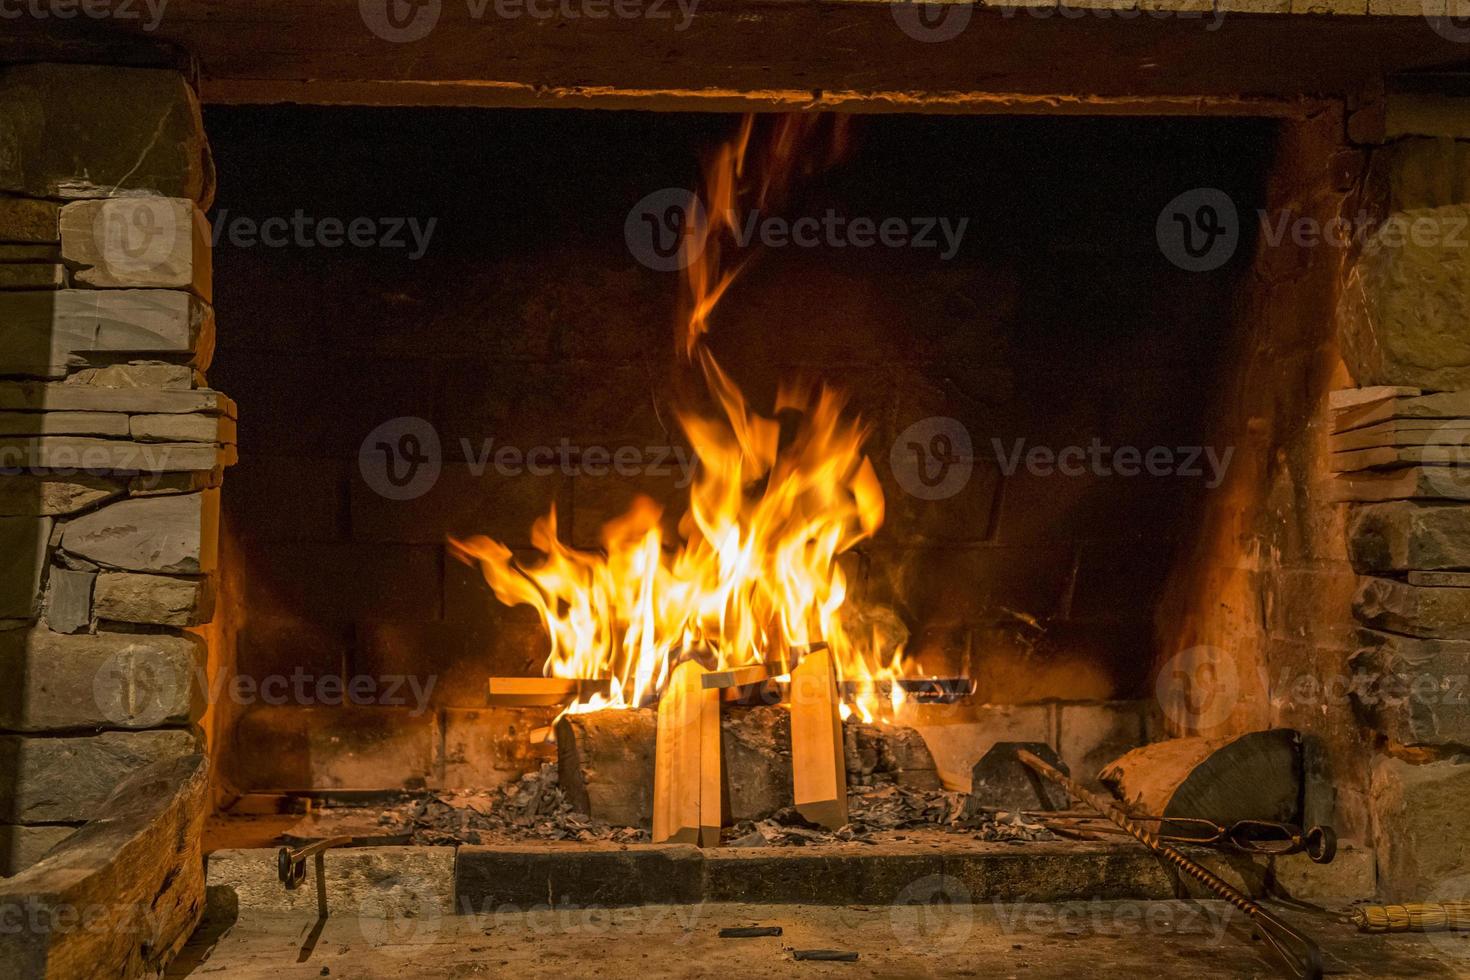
818	768
606	761
686	774
524	692
1255	776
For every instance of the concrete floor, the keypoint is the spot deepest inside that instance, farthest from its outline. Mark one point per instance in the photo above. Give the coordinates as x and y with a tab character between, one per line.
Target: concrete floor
1201	941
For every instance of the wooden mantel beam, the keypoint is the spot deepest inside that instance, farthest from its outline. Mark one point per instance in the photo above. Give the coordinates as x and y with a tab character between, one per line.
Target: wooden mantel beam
728	55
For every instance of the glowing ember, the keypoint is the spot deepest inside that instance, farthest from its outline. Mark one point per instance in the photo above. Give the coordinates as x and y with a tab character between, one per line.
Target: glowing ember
753	576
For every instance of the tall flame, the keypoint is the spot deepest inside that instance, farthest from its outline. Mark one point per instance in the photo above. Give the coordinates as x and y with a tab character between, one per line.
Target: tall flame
753	575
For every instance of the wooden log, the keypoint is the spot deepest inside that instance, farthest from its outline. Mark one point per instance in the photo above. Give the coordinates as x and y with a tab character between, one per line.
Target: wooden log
529	692
607	761
818	770
1255	776
686	772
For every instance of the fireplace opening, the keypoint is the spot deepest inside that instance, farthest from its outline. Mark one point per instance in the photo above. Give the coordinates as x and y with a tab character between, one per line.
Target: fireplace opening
474	324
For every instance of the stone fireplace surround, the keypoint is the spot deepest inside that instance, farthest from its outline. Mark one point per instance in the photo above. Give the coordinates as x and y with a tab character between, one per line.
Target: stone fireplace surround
108	578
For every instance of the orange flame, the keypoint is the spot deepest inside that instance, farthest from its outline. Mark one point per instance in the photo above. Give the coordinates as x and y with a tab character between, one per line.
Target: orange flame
753	576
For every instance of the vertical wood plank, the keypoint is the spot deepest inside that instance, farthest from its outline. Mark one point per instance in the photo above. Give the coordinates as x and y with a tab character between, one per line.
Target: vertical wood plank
686	774
818	768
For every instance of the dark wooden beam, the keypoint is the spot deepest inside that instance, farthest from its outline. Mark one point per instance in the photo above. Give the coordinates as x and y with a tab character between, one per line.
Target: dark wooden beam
762	54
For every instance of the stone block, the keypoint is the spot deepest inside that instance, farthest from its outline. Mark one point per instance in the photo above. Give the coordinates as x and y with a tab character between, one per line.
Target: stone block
31	275
22	846
1421	826
85	131
412	882
183	428
23	542
175	535
959	735
35	396
69	600
1423	173
24	219
1407	535
163	484
46	333
28	494
30	253
1398	607
154	242
100	456
490	747
1416	691
105	680
488	878
63	424
1403	312
53	780
130	597
1089	736
177	377
317	742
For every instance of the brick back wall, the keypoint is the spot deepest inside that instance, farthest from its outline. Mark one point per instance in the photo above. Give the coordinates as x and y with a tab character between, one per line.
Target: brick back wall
528	321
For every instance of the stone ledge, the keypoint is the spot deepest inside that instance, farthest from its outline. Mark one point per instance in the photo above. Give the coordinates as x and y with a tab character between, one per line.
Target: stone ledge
1422	611
37	396
151	242
1405	535
103	456
360	880
133	875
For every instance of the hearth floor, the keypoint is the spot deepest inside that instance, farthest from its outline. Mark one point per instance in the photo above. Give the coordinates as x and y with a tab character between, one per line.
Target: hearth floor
1200	941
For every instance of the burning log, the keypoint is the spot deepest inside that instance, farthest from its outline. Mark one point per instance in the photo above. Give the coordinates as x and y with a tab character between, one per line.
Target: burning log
1256	776
686	774
818	768
607	761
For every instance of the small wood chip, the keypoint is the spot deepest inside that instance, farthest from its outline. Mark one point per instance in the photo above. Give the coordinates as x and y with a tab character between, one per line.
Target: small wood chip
749	932
826	955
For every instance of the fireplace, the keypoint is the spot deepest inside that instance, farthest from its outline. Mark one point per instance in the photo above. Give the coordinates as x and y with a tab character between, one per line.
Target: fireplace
588	465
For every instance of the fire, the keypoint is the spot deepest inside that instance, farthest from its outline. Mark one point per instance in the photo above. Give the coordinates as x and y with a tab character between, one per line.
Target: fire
753	576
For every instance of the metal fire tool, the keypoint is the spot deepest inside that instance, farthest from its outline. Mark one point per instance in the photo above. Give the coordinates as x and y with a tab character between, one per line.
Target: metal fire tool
291	862
1298	954
1269	837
